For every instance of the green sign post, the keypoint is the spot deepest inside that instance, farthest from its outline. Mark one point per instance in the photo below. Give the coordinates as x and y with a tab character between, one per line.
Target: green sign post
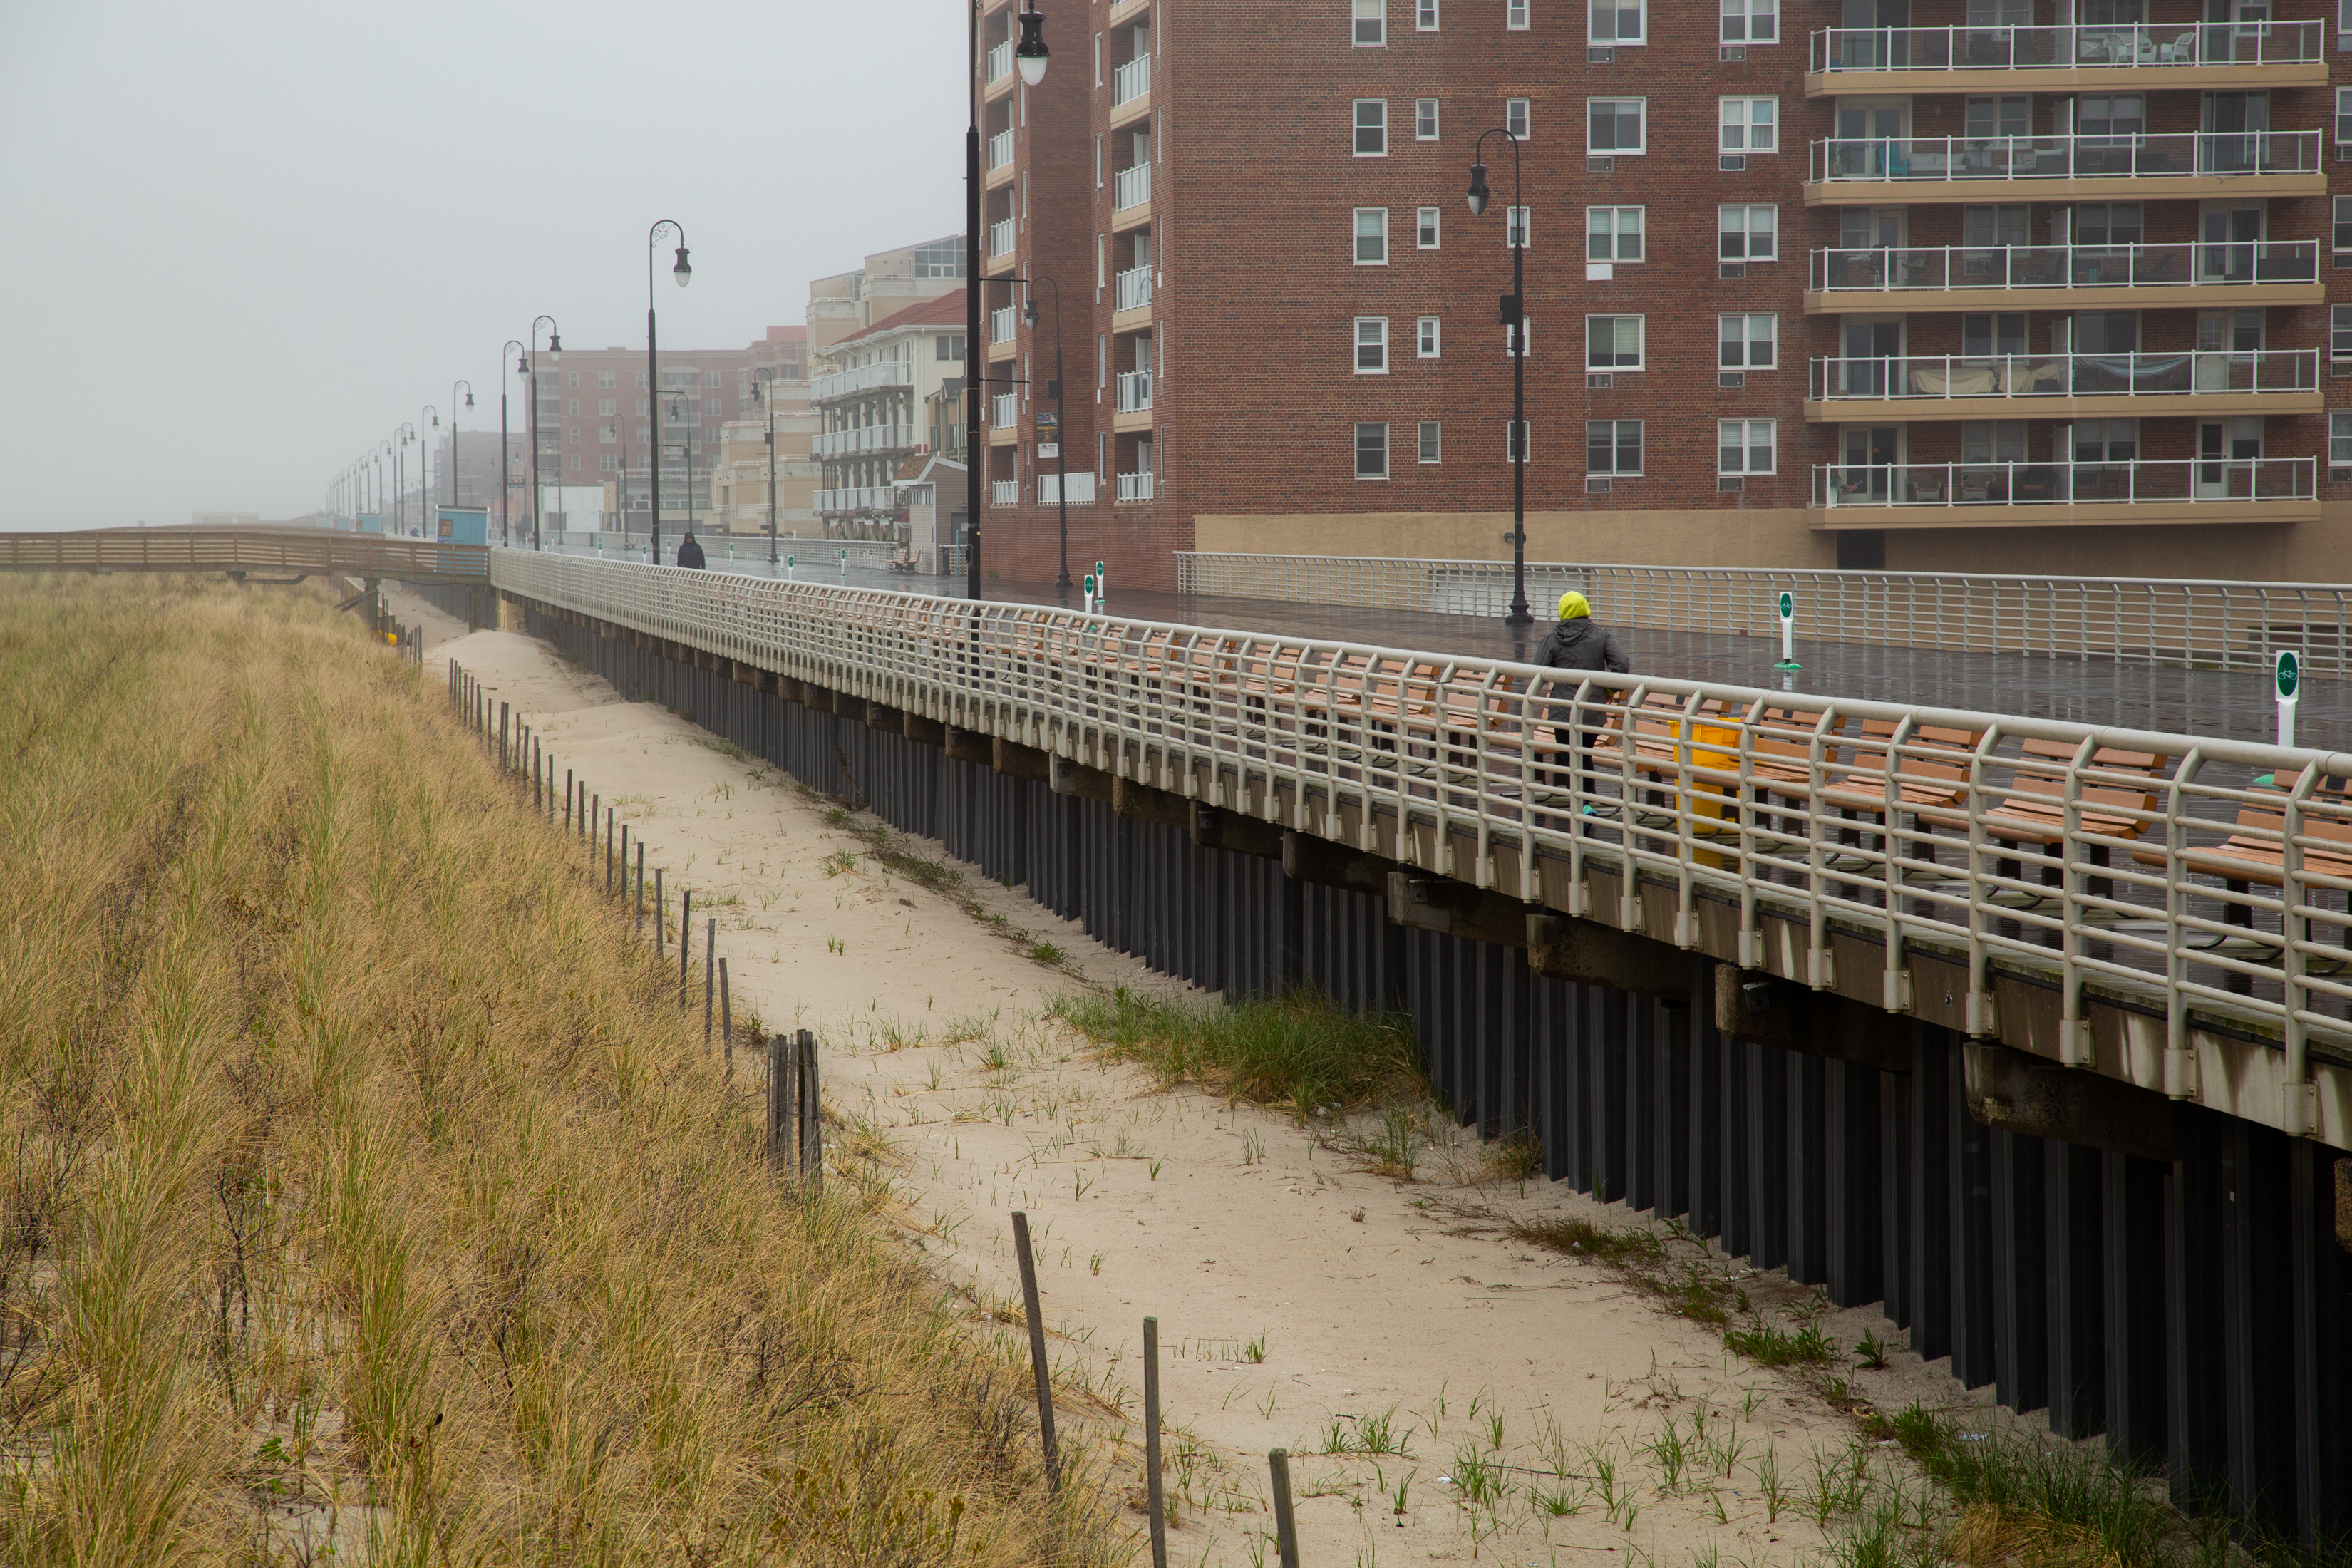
1788	632
2287	675
1087	581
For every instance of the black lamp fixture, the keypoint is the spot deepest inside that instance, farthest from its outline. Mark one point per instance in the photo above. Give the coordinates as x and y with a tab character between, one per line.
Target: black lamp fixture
1029	54
1479	192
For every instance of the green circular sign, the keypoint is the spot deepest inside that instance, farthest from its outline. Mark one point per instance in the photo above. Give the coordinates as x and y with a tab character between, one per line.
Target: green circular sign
2290	671
1090	582
1787	605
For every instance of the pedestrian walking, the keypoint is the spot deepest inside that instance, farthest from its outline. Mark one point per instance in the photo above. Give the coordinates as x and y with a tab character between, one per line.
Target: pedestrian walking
689	553
1577	642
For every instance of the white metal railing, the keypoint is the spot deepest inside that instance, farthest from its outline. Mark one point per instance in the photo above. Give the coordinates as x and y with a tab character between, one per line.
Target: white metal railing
1134	287
1130	81
1001	411
1903	268
1000	238
1000	62
865	378
2170	481
2163	155
2096	46
2128	620
861	438
860	497
1134	391
1000	323
1082	488
999	150
2189	890
1132	189
1004	492
1940	376
1135	486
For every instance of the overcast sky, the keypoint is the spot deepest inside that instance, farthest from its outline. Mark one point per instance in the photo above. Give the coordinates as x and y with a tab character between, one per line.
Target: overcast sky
245	240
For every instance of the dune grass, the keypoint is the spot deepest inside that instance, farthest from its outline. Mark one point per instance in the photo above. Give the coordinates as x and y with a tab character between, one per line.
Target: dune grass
364	1197
1296	1050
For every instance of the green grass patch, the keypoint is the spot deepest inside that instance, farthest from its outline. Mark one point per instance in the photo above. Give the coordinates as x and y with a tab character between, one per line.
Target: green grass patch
1296	1050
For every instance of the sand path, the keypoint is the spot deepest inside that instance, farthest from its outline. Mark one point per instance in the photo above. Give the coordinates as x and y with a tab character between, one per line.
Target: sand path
1534	1409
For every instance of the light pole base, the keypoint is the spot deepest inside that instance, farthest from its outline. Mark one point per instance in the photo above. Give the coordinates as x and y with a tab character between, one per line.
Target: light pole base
1518	619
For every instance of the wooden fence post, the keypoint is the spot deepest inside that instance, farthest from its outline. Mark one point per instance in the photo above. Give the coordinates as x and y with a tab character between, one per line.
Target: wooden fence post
1037	1349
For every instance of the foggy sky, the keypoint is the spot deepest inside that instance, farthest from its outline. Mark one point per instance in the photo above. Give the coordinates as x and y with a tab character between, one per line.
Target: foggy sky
240	243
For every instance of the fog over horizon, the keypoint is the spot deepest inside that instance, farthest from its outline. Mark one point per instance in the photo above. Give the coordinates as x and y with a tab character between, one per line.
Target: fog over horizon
246	241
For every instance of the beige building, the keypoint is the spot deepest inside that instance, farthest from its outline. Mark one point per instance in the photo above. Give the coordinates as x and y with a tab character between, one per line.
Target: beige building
774	403
849	302
875	407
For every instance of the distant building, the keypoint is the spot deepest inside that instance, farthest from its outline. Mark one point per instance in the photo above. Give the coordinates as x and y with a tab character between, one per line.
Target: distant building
480	469
597	425
848	302
775	386
879	406
228	520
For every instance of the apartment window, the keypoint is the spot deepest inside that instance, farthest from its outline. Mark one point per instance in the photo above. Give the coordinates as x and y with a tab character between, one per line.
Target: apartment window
1747	343
575	462
1616	21
1371	237
1425	226
1751	124
1517	226
1510	338
1749	233
1425	16
1743	447
604	380
1099	163
2343	20
1612	342
1515	117
645	434
2343	241
948	348
1515	435
1425	337
1371	451
644	407
1613	447
606	435
1372	128
2340	440
575	402
1371	345
1751	21
605	406
1616	124
1613	234
2343	116
1515	15
641	385
1371	24
574	382
1424	119
576	434
2339	333
607	462
1432	441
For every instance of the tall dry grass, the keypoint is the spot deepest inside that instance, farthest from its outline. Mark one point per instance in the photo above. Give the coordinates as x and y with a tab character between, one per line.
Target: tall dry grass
363	1195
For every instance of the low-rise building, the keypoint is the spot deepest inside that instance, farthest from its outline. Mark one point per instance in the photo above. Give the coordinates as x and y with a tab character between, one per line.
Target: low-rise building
879	406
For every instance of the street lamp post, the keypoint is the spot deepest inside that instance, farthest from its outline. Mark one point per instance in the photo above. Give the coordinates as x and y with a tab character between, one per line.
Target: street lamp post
768	407
677	413
1029	54
530	382
684	273
1061	427
407	432
1514	316
432	420
453	434
506	481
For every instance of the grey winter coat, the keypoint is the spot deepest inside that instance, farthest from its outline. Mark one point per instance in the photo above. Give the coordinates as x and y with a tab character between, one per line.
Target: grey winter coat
1579	644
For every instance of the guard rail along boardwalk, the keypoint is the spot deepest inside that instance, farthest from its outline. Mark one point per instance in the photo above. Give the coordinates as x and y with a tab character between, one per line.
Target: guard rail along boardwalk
300	551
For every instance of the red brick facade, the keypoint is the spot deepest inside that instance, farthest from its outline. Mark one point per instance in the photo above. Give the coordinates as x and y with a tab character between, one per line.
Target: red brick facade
1256	285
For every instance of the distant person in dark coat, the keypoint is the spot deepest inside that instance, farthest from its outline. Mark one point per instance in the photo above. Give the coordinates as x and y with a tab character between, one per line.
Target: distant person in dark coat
1579	642
689	553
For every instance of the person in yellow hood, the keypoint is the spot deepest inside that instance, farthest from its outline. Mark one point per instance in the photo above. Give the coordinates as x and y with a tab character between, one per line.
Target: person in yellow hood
1577	642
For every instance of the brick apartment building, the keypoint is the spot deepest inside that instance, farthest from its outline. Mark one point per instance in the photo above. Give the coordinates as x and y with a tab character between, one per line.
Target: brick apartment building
597	423
1940	284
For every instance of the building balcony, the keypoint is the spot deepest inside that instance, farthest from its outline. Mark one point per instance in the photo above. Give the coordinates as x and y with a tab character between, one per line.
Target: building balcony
998	63
1134	391
1131	82
1132	189
1133	290
2062	387
1000	238
1000	150
2130	58
1001	324
1003	411
864	438
1082	488
2065	277
1135	486
1004	492
2057	494
862	497
2167	166
865	378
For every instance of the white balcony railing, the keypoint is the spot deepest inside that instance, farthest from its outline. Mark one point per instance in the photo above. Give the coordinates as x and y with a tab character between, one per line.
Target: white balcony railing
1133	187
1134	288
1134	391
1004	492
1135	486
865	378
999	150
2151	46
2160	482
1082	488
1001	412
2065	266
862	497
2169	155
1131	81
1000	324
1946	376
1000	238
861	438
1000	61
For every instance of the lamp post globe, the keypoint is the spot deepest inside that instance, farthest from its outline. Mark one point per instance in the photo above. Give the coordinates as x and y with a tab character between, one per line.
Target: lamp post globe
683	273
1029	54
